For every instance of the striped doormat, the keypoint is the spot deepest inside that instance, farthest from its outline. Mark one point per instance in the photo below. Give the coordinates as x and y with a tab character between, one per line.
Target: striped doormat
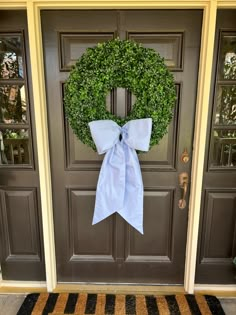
109	304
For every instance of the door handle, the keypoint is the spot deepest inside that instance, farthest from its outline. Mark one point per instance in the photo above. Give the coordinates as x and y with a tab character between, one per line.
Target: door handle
183	183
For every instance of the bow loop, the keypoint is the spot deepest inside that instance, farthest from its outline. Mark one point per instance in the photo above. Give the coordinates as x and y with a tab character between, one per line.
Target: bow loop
137	133
105	134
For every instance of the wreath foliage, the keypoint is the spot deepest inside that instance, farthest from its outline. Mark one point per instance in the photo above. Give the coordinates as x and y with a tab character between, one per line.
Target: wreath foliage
125	64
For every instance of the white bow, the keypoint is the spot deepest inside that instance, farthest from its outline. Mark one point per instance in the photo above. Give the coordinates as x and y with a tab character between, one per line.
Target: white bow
120	185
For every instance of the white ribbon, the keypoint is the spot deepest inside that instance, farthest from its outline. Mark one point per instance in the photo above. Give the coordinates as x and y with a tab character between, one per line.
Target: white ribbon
120	185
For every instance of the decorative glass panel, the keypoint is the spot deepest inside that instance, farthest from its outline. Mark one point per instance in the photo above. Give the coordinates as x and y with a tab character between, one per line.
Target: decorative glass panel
228	57
224	149
226	105
11	63
14	146
12	104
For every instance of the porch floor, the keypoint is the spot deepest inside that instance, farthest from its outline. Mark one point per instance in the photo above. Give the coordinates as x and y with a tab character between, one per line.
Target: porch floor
10	303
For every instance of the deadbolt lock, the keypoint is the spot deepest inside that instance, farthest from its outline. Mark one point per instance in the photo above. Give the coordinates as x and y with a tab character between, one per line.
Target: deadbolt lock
185	156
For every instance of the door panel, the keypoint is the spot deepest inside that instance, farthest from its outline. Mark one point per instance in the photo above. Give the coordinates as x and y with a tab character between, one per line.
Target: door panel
82	229
158	225
20	210
217	234
219	204
169	45
112	251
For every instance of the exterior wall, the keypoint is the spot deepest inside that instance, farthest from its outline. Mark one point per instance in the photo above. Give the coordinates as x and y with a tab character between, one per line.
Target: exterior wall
205	67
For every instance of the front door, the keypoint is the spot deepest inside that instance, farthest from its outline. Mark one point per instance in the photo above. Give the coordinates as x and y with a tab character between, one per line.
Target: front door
112	251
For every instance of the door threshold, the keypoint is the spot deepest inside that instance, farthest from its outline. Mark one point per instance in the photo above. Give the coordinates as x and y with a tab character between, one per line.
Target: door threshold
24	287
120	288
220	290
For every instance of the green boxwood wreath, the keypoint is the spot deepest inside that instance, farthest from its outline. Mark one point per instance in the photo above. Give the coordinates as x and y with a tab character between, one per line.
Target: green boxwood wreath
126	64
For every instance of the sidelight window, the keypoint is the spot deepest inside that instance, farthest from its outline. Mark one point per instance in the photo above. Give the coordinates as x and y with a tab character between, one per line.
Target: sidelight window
15	138
223	140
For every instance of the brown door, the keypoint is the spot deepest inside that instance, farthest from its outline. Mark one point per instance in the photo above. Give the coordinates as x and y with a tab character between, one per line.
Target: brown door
21	248
112	251
217	237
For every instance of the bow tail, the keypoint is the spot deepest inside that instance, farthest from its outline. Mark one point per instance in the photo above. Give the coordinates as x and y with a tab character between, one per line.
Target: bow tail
110	191
132	210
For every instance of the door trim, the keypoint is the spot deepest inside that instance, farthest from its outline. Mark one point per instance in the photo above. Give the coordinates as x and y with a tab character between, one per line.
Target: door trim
199	142
14	286
219	290
203	92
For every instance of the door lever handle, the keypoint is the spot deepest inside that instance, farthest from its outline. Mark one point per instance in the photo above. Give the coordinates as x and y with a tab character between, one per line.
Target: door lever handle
183	183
